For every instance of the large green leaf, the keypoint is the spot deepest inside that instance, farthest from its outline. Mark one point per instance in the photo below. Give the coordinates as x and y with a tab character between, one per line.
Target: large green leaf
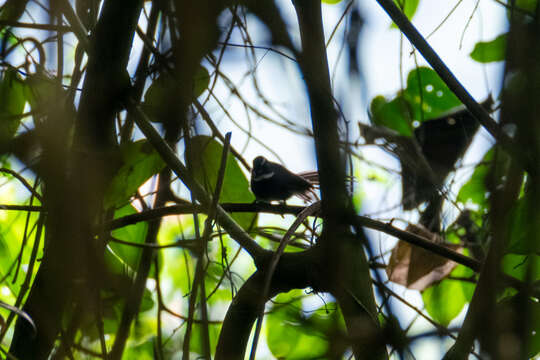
207	157
527	5
490	51
516	265
445	300
425	97
163	90
135	233
12	101
428	95
293	335
524	226
394	114
475	189
196	342
140	162
142	351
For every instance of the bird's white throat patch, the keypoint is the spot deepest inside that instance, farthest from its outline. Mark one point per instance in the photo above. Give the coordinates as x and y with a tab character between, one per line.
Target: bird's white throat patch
264	176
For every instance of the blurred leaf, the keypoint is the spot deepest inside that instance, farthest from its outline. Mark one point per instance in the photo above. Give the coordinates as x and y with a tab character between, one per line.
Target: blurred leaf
516	265
143	351
445	300
490	51
291	334
394	114
331	2
41	91
527	5
12	101
147	302
135	233
235	184
163	90
524	226
196	342
408	7
140	163
201	80
416	268
475	189
428	95
12	10
512	309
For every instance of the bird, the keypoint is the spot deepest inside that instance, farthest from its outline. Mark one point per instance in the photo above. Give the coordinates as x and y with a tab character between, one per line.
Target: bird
273	182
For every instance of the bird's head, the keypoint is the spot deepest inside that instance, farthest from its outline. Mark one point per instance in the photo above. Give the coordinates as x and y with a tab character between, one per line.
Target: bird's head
261	170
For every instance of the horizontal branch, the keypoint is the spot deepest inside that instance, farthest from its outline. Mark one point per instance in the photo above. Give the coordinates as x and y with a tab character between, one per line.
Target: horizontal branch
46	27
22	207
419	241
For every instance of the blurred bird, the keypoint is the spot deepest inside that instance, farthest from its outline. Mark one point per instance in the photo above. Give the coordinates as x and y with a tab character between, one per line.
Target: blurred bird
271	181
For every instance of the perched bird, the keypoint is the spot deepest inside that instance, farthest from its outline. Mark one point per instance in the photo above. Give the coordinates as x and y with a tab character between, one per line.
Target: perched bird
271	181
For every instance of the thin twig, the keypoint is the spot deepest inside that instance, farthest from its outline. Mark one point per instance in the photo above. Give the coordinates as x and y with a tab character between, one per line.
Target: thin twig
314	208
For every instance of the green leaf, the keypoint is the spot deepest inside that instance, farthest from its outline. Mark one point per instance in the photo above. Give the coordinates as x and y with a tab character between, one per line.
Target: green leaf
331	2
428	95
12	101
408	7
140	162
143	351
201	80
196	342
490	51
524	226
135	233
394	114
235	184
527	5
445	300
159	95
164	90
516	265
292	335
475	190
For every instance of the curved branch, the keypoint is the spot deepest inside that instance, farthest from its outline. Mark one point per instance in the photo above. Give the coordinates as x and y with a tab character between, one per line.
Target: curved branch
294	271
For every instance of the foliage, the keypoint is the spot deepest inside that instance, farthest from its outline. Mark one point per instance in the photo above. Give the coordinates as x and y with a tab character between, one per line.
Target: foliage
112	244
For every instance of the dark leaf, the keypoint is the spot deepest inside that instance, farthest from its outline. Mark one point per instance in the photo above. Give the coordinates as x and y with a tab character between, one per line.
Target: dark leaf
139	163
135	233
12	101
235	187
416	268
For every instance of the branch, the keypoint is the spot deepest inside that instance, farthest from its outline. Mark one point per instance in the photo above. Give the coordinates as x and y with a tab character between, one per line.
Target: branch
418	41
170	158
